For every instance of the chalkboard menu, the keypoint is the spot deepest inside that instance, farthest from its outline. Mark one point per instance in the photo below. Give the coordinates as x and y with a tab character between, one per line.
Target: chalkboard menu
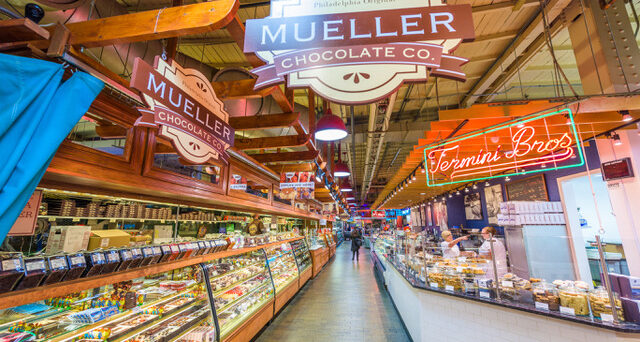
528	189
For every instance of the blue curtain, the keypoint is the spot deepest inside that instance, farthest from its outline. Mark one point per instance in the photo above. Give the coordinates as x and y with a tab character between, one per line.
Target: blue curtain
37	111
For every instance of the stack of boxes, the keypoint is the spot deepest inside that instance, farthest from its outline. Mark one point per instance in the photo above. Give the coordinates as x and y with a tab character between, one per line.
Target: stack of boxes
517	213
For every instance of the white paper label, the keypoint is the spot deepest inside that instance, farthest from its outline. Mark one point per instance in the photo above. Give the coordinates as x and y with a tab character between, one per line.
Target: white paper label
104	242
433	285
507	283
462	259
112	220
485	294
606	317
175	249
58	263
75	220
459	269
112	257
127	254
542	306
157	250
10	265
35	265
449	288
567	311
77	260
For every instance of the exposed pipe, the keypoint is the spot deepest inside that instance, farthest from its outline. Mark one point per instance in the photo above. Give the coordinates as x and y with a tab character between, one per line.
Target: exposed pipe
385	126
372	122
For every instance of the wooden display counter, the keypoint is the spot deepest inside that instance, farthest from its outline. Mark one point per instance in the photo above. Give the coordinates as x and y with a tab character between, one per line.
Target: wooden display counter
305	276
252	326
17	298
283	296
332	250
319	258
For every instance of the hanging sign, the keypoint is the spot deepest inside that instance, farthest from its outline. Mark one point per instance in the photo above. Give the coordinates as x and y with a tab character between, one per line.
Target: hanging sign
299	185
26	222
529	144
184	107
237	182
378	214
355	52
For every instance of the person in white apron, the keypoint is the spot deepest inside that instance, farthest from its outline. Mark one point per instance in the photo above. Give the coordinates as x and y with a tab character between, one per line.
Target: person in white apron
500	253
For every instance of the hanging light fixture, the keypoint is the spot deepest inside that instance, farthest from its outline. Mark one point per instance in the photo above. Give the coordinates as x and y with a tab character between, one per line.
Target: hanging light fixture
341	169
626	117
475	187
487	184
616	139
506	179
346	186
330	127
466	189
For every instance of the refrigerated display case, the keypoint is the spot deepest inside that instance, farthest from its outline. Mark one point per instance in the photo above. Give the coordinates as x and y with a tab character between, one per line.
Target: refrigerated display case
284	272
241	286
160	307
303	257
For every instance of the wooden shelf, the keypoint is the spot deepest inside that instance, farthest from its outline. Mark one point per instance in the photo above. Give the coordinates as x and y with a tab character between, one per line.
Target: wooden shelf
17	298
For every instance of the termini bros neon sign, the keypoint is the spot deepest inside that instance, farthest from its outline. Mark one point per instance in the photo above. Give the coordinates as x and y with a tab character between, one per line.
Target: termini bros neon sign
535	143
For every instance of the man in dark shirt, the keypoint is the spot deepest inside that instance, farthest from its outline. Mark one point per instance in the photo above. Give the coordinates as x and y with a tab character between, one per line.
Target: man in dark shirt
256	227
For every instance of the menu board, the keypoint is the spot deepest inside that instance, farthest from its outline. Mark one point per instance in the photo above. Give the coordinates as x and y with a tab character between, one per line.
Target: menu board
528	189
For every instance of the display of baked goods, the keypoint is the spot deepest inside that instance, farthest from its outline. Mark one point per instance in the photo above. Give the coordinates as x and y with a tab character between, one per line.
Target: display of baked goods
600	304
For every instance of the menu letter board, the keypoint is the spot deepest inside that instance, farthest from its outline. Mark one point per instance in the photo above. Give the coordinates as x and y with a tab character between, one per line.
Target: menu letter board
528	189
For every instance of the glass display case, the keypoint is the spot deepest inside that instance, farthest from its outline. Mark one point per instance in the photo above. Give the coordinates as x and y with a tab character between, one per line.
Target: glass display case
475	273
316	242
303	257
161	307
240	285
282	265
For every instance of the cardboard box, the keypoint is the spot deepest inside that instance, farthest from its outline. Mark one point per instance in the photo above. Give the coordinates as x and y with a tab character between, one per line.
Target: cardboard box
108	238
68	239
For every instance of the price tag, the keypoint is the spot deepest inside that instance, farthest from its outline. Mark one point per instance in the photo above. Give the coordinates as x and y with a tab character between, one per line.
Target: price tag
10	265
75	219
507	283
449	288
459	269
52	219
58	263
112	220
542	306
485	294
433	285
77	260
462	259
567	311
606	317
161	221
36	265
127	254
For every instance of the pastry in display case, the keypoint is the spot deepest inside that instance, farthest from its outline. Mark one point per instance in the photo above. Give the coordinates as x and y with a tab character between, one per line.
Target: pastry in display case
241	285
301	252
282	265
601	305
160	307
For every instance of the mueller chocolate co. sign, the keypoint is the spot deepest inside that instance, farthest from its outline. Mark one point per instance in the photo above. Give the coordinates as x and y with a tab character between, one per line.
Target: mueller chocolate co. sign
183	106
530	144
358	51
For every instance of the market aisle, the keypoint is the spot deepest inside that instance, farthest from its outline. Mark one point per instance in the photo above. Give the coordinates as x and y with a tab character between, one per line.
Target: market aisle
343	303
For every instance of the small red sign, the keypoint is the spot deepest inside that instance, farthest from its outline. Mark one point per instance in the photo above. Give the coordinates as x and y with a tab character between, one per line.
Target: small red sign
26	222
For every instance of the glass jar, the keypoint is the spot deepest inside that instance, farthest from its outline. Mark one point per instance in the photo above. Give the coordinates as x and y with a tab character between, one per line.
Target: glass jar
547	295
600	303
575	298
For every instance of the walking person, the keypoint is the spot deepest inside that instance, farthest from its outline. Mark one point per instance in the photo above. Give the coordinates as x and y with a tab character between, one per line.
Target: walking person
356	242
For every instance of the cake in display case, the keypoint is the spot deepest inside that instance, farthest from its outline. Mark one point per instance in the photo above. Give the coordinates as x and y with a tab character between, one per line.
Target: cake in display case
303	257
241	285
282	264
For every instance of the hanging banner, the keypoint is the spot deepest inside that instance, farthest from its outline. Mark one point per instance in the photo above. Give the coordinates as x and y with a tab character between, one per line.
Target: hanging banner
355	52
185	109
534	143
298	185
26	222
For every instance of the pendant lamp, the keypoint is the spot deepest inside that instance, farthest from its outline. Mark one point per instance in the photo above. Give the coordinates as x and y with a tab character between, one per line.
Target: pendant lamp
346	186
330	127
341	169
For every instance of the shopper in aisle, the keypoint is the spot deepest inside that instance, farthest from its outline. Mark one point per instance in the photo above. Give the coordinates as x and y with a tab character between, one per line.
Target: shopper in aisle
499	252
256	227
449	246
356	242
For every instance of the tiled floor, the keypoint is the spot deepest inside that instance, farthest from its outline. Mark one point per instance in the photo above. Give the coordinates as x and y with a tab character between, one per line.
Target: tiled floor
343	303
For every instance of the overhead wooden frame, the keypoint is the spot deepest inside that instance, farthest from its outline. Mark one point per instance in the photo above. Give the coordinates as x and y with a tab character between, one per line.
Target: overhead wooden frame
153	25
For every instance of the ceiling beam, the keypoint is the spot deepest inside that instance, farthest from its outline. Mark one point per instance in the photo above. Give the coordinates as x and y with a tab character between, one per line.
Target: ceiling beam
271	142
518	46
153	25
284	156
502	6
239	89
242	123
